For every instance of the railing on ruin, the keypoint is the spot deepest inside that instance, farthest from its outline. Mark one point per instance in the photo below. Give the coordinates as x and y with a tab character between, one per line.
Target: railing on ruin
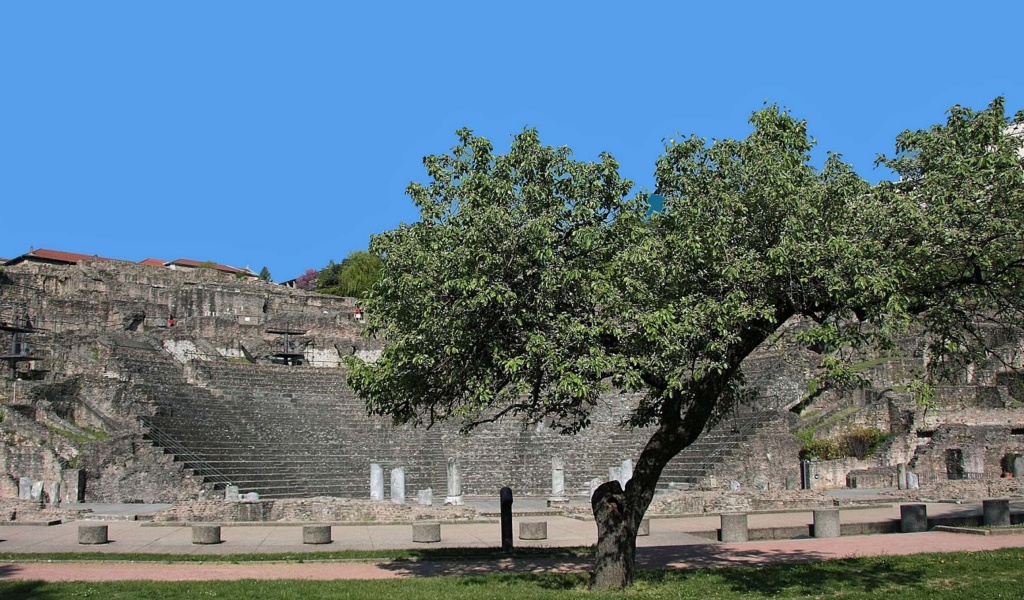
736	434
195	461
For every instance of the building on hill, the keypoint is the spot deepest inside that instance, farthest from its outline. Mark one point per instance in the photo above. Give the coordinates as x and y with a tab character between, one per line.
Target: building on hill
187	263
54	257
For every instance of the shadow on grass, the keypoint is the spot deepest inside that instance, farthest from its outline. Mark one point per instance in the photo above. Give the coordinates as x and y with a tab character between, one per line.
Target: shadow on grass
20	590
873	575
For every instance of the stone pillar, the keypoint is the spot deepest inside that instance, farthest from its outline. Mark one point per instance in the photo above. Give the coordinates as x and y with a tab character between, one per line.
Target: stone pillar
231	494
901	476
912	481
73	483
536	530
826	523
398	485
92	534
625	472
594	484
376	482
316	534
996	512
734	528
53	491
454	483
614	473
425	497
24	488
1018	467
557	482
913	518
206	534
37	491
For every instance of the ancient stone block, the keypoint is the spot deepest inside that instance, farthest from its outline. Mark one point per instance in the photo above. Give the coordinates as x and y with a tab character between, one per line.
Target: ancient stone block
25	488
92	534
913	518
316	534
426	532
206	534
996	512
826	523
645	527
398	485
376	482
533	530
734	528
425	497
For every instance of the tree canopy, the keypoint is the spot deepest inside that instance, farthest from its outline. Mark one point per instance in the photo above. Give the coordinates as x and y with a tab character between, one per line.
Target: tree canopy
533	283
354	277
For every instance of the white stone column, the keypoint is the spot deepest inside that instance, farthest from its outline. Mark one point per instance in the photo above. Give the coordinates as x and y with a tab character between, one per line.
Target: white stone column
398	485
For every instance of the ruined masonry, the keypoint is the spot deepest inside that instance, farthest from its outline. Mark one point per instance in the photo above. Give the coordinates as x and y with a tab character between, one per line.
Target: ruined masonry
245	395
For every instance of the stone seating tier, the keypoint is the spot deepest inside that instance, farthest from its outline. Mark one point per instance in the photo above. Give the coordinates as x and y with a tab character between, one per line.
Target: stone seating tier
299	431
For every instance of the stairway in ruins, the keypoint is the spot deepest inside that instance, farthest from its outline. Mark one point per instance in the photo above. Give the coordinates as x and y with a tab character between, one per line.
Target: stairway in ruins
715	446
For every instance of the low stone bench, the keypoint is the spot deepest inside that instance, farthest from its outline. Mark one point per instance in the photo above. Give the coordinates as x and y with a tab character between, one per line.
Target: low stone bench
734	528
426	532
92	534
316	534
206	534
534	530
913	518
826	523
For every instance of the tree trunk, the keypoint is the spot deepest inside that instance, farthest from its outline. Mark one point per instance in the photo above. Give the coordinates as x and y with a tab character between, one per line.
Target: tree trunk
617	523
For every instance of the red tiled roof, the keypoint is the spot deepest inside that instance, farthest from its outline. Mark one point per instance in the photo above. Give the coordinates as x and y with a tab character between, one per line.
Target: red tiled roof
56	256
153	262
195	264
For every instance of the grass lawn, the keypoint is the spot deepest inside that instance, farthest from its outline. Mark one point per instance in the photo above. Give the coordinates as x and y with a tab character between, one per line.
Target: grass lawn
979	575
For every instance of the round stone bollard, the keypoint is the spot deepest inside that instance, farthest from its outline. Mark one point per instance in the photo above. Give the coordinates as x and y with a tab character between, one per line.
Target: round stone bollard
316	534
996	512
536	530
426	532
92	534
913	518
734	528
206	534
826	523
645	527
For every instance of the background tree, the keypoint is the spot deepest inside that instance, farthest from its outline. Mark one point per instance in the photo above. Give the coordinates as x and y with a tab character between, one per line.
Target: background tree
265	274
353	277
531	285
307	281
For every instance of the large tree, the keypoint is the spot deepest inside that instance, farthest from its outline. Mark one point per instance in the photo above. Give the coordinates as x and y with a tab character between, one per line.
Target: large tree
533	284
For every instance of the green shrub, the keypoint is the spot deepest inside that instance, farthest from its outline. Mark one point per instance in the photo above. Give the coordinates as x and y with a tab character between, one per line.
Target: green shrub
859	443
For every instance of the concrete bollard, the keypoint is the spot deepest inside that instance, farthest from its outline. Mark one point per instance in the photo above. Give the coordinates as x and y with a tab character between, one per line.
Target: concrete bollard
316	534
536	530
92	534
426	532
645	527
996	512
913	518
826	523
734	528
206	534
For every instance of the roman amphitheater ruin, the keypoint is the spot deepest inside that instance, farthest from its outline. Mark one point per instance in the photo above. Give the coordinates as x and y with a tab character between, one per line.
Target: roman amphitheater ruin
104	399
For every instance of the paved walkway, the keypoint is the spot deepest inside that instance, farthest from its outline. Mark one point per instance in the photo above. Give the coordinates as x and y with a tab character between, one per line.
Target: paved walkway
668	546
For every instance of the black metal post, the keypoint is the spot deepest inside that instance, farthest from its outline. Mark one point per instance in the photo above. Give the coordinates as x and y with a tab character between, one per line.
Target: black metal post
506	519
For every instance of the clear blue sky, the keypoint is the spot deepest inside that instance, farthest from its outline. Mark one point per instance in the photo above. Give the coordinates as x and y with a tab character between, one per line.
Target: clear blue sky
283	134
